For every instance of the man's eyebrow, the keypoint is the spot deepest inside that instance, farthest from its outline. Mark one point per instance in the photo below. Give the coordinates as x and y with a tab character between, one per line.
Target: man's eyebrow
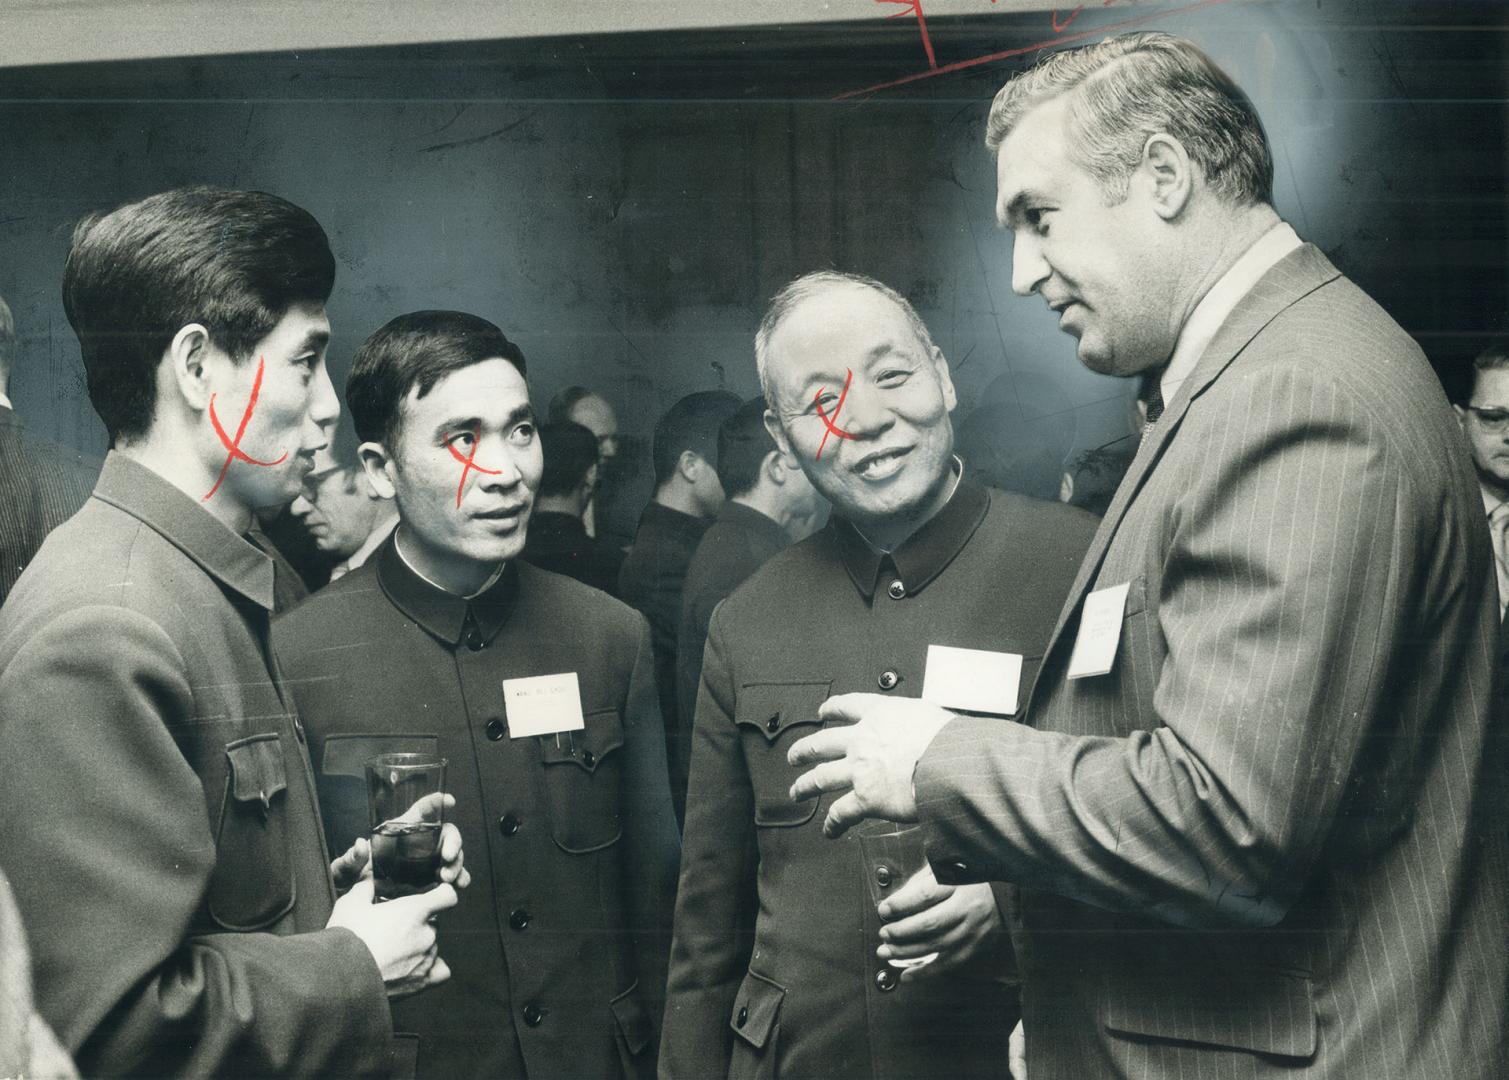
1013	210
314	341
517	415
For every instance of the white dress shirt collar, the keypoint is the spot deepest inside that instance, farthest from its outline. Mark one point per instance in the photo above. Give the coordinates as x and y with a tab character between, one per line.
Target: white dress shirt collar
1214	307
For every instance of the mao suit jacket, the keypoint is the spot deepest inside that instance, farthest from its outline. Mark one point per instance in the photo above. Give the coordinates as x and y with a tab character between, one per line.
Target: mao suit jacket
161	831
558	948
1270	842
773	966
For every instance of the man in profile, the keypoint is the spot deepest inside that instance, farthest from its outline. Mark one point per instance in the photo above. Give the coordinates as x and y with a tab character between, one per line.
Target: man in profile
782	964
161	831
770	504
538	691
42	484
558	537
578	405
1257	818
345	518
688	495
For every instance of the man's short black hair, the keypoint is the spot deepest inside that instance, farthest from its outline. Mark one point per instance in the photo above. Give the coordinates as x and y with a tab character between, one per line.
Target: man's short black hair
743	444
416	350
690	424
235	261
570	452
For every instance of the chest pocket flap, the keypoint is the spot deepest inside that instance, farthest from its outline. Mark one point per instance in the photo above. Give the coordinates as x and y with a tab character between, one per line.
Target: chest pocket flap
252	883
770	717
583	776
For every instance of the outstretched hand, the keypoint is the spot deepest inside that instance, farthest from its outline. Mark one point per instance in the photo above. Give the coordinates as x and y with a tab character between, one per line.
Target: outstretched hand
870	760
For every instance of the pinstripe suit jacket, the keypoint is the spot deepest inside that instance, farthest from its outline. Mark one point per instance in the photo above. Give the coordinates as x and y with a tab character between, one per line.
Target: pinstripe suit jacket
41	486
1270	842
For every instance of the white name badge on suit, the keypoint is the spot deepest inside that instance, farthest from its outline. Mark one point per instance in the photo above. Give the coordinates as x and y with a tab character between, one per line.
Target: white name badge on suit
543	705
1099	632
972	680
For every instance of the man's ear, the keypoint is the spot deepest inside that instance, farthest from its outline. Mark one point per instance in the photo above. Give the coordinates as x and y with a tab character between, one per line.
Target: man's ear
774	468
945	380
186	358
379	467
782	442
1168	175
689	464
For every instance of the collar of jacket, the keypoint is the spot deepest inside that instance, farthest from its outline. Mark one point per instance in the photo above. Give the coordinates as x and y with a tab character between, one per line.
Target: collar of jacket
230	559
659	518
445	615
923	555
746	519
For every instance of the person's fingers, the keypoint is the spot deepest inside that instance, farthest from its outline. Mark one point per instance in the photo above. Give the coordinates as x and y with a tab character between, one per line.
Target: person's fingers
920	892
439	972
361	892
352	862
429	808
829	776
450	844
819	746
1016	1050
463	879
946	941
846	812
848	708
925	927
433	901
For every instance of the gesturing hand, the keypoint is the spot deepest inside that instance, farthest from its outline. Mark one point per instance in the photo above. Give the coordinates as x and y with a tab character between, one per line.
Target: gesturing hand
871	761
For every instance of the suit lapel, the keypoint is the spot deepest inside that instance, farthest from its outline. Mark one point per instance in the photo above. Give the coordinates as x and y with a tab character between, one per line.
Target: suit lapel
1298	274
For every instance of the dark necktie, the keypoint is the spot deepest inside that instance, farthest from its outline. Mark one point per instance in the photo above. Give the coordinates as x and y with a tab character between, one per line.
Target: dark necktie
1152	398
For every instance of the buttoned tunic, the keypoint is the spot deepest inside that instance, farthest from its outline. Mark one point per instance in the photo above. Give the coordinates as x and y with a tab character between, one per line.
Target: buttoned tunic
557	950
773	969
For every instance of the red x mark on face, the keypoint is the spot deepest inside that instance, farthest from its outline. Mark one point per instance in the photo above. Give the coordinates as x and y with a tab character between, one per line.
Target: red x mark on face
468	463
233	446
831	423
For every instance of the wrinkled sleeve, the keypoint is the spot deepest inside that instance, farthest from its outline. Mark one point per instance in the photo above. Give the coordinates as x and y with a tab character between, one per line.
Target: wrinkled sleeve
109	849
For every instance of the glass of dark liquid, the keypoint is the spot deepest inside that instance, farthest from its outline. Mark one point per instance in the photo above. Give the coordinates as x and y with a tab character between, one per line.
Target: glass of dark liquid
405	804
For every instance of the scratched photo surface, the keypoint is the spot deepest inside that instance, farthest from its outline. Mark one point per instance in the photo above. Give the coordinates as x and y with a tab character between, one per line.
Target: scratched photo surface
622	188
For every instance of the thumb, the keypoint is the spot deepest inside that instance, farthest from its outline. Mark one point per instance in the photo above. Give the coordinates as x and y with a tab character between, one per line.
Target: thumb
429	808
361	892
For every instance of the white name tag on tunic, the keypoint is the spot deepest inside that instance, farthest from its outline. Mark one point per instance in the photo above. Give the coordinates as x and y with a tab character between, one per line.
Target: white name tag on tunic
543	705
972	680
1099	632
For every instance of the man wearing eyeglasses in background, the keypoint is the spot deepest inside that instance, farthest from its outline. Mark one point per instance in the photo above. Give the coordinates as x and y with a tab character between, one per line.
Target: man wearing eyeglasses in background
1485	420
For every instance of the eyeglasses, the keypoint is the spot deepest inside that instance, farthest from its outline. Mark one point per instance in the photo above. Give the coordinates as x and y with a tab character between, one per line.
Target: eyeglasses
1492	419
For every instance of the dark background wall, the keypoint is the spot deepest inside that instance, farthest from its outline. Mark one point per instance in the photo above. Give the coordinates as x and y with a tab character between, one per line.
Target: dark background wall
624	205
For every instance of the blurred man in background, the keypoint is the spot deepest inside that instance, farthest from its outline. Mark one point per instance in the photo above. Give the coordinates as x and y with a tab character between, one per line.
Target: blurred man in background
771	504
341	512
558	537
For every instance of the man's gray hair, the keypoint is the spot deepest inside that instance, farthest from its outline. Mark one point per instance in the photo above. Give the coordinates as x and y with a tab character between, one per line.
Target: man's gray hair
809	285
1133	86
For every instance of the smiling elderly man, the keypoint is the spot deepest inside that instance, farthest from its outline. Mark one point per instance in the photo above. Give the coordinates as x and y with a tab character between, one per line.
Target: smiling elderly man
780	965
1257	819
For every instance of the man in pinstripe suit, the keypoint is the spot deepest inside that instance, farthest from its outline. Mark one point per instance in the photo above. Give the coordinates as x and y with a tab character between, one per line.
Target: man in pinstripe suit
41	484
1255	812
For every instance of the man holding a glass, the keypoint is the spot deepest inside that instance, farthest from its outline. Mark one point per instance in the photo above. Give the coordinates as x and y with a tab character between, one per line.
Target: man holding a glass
790	952
447	661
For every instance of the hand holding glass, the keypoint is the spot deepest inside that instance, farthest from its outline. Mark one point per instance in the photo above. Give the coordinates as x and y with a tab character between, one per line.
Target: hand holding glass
891	858
406	809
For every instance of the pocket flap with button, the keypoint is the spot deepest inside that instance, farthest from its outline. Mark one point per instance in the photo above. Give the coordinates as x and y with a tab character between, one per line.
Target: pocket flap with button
583	776
770	717
773	709
756	1009
586	747
251	886
1254	1009
256	766
633	1020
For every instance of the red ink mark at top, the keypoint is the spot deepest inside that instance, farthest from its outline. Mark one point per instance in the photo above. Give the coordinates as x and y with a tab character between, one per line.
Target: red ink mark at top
469	463
233	446
1060	27
1007	54
914	7
831	422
